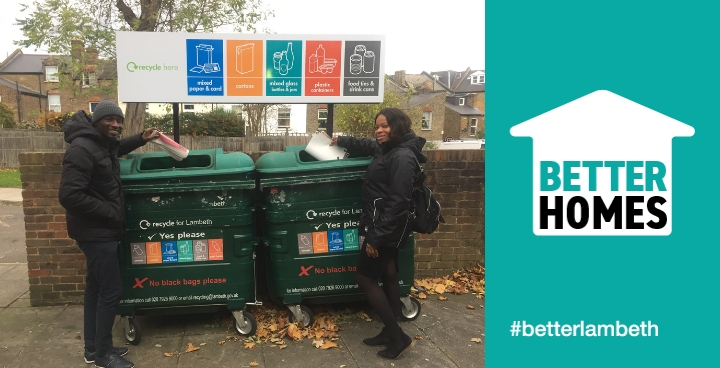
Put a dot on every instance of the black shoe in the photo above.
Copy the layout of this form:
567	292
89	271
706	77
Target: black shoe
90	357
397	346
381	339
113	361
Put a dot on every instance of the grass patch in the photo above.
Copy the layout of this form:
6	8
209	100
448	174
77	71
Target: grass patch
10	178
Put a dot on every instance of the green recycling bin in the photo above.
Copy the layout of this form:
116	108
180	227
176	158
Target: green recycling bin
190	240
310	218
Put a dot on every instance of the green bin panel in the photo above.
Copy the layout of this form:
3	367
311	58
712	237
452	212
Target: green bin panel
311	211
190	237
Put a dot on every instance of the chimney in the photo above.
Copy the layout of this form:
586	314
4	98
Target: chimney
77	49
400	78
92	55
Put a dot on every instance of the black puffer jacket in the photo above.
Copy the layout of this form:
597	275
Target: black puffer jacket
387	187
90	188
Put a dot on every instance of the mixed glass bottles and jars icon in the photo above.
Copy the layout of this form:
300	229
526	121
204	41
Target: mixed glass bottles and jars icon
283	60
362	61
317	62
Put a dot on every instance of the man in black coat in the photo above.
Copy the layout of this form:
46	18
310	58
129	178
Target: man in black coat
91	192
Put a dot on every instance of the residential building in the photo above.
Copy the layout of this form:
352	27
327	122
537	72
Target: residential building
465	101
57	83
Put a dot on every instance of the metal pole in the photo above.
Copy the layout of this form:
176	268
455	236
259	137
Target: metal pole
331	113
17	97
176	123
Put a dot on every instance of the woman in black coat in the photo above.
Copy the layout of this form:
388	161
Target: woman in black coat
386	218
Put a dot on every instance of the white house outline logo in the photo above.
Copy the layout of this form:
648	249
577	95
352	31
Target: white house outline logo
582	154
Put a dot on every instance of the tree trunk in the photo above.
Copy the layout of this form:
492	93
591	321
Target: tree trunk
134	119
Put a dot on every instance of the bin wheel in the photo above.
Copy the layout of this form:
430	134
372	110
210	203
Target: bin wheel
414	311
132	330
307	318
249	327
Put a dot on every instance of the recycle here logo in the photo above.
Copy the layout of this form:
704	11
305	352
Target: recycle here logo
602	165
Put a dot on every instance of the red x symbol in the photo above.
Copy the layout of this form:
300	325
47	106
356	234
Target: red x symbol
138	282
304	271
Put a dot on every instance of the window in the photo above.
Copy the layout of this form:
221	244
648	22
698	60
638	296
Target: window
51	74
189	109
93	106
427	120
322	119
54	103
477	79
461	101
283	117
88	79
473	126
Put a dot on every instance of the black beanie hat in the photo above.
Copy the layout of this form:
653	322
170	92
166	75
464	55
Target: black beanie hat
105	108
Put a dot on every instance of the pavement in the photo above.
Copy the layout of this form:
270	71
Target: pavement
52	336
11	197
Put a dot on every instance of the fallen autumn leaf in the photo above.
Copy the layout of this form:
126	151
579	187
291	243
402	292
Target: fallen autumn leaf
470	307
191	348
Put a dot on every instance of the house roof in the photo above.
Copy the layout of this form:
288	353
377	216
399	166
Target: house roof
456	82
464	109
464	85
19	63
23	90
417	99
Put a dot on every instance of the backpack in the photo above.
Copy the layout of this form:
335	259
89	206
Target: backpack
426	213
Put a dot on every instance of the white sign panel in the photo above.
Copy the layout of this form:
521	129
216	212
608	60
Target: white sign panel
249	68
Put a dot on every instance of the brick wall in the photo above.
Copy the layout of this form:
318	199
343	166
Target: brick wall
56	266
458	179
30	105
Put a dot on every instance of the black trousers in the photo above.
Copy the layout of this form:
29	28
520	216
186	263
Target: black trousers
103	290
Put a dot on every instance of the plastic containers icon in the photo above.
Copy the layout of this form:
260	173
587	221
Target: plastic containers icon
317	62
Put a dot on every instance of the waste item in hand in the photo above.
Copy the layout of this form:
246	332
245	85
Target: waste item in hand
174	149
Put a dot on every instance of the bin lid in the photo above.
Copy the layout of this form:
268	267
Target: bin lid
207	162
295	159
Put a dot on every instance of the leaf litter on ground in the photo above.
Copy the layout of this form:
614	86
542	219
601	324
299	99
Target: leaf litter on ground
274	326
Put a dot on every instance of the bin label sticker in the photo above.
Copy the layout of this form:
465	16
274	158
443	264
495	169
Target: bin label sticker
335	240
215	249
350	239
200	250
305	245
320	242
154	252
331	240
169	252
137	253
185	250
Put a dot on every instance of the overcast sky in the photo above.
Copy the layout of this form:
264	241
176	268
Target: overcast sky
418	38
